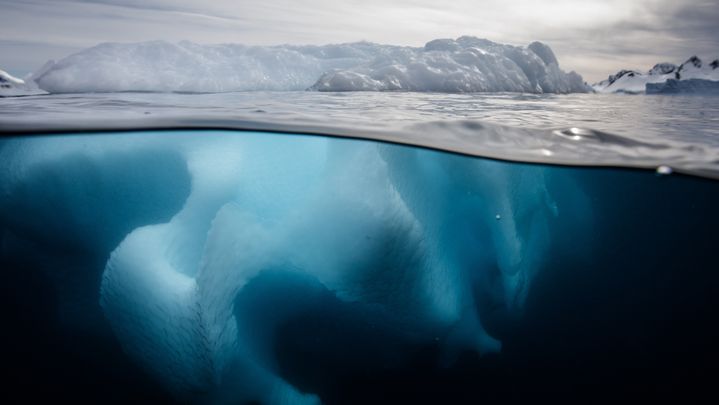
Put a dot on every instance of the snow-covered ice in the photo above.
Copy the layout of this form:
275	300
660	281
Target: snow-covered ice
160	66
632	81
467	64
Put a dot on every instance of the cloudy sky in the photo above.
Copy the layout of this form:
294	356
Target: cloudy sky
593	37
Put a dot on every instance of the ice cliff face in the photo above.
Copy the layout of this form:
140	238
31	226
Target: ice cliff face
12	86
467	64
630	81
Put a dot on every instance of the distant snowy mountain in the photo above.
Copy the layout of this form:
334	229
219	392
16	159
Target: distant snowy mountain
12	86
466	64
631	81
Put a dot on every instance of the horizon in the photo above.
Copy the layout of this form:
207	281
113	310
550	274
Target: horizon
594	38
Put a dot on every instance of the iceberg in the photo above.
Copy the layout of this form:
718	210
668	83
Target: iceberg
688	86
446	258
160	66
631	81
467	64
12	86
464	65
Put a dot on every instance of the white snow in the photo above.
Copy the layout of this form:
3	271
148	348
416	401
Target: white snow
160	66
467	64
631	81
12	86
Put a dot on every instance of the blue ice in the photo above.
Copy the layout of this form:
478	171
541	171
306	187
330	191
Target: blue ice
185	221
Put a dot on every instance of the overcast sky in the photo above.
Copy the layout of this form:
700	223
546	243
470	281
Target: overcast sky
593	37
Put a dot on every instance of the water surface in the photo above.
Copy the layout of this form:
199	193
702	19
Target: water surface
680	132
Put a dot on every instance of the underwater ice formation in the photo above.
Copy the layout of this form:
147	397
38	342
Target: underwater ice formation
467	64
428	238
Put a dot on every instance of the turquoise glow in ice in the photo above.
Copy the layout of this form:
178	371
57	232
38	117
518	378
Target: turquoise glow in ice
185	220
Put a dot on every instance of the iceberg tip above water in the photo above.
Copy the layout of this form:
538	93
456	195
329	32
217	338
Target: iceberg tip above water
467	64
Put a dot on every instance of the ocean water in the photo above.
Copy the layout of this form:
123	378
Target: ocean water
209	265
680	132
683	118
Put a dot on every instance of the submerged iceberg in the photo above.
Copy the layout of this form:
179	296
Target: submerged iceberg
12	86
656	80
467	64
438	260
214	266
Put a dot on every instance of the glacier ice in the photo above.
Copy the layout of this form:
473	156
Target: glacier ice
410	232
466	64
188	67
631	81
688	86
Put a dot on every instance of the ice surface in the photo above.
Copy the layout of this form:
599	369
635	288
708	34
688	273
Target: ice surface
188	67
421	242
688	86
12	86
467	64
464	65
630	81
